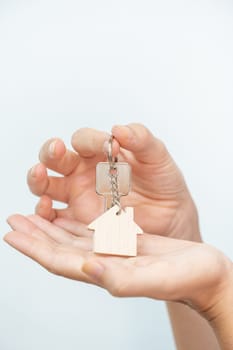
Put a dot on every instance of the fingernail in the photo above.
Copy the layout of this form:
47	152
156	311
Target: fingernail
52	147
93	269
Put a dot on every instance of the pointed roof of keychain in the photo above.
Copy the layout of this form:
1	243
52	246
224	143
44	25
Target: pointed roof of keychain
116	233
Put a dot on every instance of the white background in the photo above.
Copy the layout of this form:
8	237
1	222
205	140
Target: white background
68	64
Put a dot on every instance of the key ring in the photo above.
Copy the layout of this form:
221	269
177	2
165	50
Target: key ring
109	153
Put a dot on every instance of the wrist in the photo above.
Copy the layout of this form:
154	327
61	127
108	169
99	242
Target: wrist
220	313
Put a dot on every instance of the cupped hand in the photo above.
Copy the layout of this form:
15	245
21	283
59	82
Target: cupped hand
162	202
167	269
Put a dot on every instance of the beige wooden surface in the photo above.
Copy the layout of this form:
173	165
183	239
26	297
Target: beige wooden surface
116	234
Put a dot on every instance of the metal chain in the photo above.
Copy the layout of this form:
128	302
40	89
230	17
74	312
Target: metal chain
113	174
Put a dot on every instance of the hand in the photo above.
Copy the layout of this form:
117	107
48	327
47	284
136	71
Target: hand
174	270
159	192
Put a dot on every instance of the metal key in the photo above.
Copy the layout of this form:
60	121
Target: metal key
113	179
104	186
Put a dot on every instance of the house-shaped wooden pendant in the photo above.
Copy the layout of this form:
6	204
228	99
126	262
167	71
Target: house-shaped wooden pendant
115	234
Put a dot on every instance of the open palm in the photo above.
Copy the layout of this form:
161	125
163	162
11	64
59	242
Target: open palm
166	268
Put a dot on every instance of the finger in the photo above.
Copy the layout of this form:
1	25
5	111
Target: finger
141	142
90	143
22	224
147	244
55	258
118	277
62	236
56	233
76	228
44	208
55	156
37	179
40	183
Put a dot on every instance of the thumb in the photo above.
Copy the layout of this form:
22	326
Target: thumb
110	275
124	278
141	142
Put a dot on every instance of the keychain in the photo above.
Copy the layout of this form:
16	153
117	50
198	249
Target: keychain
115	231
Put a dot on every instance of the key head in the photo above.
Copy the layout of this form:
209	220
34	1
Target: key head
103	181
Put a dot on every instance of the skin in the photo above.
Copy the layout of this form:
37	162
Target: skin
158	192
174	270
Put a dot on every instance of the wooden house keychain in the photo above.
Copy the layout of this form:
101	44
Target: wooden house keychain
115	232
